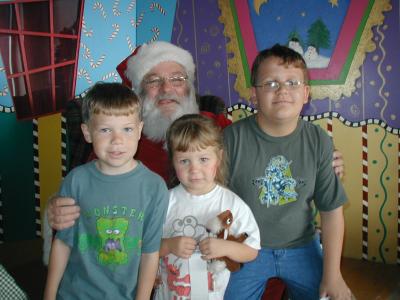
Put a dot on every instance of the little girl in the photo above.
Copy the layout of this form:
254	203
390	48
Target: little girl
196	151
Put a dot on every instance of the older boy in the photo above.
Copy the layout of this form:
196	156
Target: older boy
279	164
112	250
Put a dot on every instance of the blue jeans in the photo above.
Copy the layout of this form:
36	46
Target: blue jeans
300	268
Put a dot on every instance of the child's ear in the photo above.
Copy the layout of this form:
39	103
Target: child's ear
307	90
86	133
253	96
140	128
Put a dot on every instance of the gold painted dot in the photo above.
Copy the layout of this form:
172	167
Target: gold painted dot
386	94
372	82
375	57
377	104
393	117
385	27
389	68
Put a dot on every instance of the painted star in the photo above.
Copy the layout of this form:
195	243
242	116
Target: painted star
333	2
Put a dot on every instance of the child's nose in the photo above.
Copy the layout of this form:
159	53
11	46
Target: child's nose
116	138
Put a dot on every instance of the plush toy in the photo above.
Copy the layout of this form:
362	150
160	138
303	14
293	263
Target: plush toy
219	226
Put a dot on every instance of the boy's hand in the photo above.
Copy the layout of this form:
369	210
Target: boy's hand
62	212
335	289
338	163
212	248
182	246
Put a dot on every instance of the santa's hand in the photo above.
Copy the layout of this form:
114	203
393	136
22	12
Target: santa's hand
62	212
182	246
212	248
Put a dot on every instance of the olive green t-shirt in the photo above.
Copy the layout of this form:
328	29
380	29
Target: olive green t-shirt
279	177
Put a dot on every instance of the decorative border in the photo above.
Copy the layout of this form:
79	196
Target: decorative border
332	91
325	115
398	206
364	192
38	221
63	146
5	109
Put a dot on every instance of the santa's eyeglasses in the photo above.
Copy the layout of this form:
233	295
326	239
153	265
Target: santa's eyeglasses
157	82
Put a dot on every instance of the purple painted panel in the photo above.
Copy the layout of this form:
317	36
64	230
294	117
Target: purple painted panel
197	29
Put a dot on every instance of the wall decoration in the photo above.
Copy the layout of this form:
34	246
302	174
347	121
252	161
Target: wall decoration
332	36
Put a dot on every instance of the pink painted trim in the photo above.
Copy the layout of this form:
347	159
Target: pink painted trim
246	30
347	33
354	15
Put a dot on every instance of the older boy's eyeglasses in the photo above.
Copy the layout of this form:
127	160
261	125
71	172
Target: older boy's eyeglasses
157	82
274	85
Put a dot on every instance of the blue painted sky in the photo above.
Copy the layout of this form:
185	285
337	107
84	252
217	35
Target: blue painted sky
280	17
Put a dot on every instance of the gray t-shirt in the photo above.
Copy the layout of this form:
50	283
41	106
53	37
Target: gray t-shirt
121	218
278	177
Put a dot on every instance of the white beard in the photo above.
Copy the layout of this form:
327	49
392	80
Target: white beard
155	124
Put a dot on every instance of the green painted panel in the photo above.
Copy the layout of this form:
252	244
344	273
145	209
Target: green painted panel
17	178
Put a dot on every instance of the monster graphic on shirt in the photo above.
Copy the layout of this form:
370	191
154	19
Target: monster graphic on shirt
277	186
111	241
112	234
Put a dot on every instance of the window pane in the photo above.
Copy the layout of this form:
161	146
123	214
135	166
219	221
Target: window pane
64	80
7	17
41	92
11	53
65	49
35	16
66	23
37	51
20	97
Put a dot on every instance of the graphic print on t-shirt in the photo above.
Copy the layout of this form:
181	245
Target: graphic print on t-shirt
277	186
178	277
112	244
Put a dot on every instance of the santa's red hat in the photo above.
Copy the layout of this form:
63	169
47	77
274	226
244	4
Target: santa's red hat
133	68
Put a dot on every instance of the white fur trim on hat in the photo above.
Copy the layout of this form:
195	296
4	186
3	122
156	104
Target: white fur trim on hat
150	55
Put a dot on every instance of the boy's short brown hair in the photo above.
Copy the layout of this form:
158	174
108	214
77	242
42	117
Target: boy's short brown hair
193	132
287	56
110	98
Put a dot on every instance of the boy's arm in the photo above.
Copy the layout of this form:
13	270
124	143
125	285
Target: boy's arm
59	256
181	246
333	284
147	275
239	252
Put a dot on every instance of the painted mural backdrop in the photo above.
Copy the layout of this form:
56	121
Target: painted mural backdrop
364	124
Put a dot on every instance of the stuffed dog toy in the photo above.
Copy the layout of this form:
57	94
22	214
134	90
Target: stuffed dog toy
219	227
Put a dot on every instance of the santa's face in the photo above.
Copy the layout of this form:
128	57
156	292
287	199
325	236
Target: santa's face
166	85
167	94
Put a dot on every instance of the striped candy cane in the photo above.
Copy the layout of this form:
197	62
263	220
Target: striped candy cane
97	64
130	45
158	6
110	75
99	6
131	6
86	32
83	73
115	32
115	9
156	33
